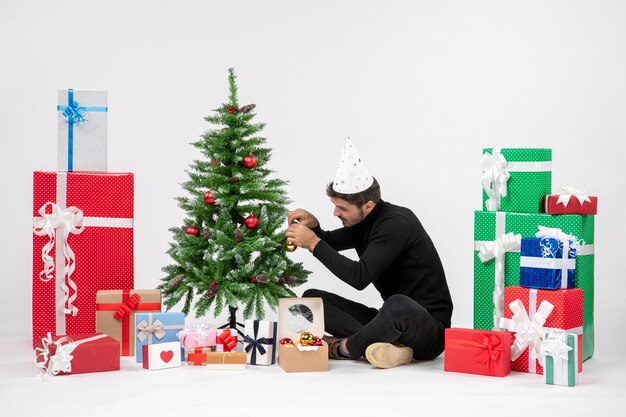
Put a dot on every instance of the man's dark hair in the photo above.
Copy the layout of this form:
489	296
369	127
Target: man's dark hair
358	199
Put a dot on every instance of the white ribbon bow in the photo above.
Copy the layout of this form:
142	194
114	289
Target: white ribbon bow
529	333
565	193
555	345
145	330
61	361
199	330
497	249
68	220
494	178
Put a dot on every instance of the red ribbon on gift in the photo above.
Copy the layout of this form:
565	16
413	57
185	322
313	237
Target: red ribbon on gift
490	349
196	356
227	339
122	312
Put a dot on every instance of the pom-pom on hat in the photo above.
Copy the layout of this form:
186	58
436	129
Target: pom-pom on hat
352	174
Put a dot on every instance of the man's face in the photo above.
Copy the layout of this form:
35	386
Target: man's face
348	213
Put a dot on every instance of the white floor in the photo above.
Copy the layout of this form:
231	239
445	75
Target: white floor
349	388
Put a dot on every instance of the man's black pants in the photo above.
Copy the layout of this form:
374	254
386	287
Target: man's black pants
401	319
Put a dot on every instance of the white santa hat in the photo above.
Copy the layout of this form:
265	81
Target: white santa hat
352	174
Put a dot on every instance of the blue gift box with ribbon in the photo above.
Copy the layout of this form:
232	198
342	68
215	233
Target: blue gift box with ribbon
82	130
260	341
547	263
153	328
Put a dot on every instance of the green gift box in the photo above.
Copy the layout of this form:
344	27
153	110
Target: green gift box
516	180
490	225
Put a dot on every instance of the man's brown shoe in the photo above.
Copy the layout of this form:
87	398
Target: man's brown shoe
333	347
388	355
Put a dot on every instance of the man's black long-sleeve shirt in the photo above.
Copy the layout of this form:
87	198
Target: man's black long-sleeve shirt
395	254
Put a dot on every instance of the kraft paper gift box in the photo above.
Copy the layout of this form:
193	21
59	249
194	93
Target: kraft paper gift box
295	316
82	130
223	361
570	200
516	180
260	341
547	264
480	352
200	335
154	328
77	354
491	225
82	243
527	315
161	356
197	356
115	314
560	352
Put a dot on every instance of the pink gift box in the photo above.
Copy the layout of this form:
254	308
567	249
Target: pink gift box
197	336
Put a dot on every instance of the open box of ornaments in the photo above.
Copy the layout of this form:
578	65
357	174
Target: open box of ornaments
300	329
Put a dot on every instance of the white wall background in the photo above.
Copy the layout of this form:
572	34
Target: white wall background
421	87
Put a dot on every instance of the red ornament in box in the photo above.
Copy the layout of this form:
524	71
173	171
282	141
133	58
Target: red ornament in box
77	354
570	200
481	352
82	243
249	161
566	315
252	222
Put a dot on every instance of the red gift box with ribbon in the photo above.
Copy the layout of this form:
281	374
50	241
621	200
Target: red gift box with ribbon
82	243
115	314
530	313
480	352
77	354
570	200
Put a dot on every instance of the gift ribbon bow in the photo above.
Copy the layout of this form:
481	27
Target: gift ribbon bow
199	330
227	339
61	361
125	307
566	193
73	112
66	221
529	331
566	241
145	330
556	346
497	249
494	178
256	344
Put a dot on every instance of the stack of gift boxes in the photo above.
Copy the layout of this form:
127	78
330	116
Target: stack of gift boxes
85	312
533	273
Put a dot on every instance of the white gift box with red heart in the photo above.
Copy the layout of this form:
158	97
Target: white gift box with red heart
161	356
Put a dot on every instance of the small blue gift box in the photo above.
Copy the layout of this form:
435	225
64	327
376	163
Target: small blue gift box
153	328
547	263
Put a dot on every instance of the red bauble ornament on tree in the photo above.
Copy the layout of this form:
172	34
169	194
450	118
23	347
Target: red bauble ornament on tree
235	179
193	230
213	283
252	222
280	281
249	161
253	280
230	110
208	198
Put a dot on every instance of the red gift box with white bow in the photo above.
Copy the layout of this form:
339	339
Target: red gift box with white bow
531	313
82	243
570	200
77	354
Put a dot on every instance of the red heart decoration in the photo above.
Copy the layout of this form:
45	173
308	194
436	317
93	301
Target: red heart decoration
167	356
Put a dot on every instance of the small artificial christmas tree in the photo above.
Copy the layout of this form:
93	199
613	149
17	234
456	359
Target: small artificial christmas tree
230	251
